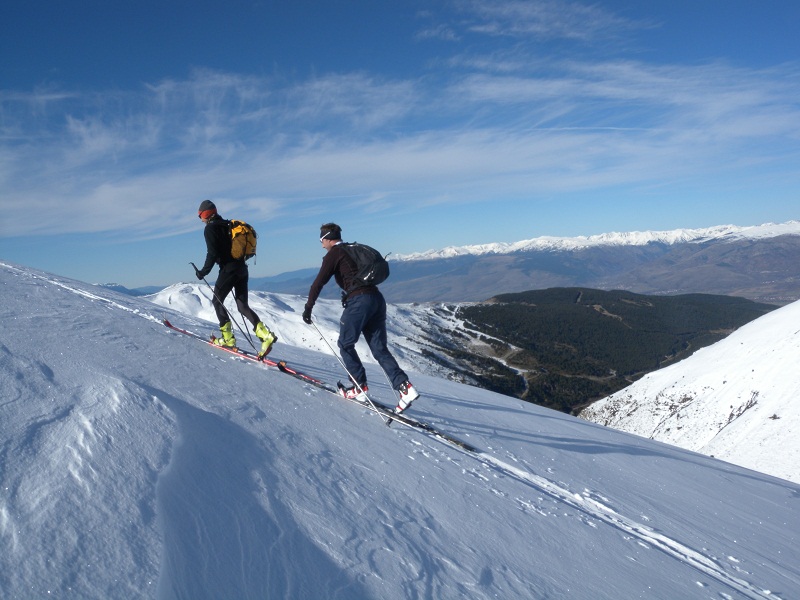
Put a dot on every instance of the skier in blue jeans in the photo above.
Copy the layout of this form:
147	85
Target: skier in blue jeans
364	312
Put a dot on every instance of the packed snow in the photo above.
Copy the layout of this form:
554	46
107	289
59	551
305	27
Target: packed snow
737	400
631	238
138	463
410	326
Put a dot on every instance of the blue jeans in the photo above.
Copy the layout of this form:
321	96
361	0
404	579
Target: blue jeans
366	313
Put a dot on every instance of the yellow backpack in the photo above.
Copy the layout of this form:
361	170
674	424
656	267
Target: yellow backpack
243	240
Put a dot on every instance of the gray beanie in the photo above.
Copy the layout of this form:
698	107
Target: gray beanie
206	205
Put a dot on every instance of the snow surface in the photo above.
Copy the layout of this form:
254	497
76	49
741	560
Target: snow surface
632	238
737	400
138	463
410	326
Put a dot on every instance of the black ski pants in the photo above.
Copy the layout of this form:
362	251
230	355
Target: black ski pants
233	276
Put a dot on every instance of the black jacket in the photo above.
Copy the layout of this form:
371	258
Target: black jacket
218	244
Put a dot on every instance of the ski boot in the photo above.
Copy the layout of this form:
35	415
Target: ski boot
354	392
228	340
267	339
407	395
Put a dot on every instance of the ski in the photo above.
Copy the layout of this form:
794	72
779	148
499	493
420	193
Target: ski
281	365
378	407
388	412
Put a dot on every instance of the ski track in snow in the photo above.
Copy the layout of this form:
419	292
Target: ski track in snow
83	293
594	507
591	505
588	503
197	432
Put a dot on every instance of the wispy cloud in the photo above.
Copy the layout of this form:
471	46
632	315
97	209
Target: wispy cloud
499	123
544	20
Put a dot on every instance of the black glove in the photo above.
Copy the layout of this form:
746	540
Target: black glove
307	315
200	274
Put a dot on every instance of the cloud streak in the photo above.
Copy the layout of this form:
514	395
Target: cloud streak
545	20
490	127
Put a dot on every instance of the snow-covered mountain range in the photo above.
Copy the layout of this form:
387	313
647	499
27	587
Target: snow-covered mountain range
761	263
138	463
632	238
738	400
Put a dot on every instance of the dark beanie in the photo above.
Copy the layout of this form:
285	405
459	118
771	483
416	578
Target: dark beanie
207	209
206	205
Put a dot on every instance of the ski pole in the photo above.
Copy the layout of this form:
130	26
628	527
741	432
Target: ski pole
391	387
239	327
353	379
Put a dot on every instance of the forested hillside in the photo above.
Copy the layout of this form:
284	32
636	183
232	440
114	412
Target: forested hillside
565	347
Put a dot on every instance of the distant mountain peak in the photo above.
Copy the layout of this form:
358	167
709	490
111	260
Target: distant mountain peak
631	238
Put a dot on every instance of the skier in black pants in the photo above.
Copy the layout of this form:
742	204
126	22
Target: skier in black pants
364	312
233	275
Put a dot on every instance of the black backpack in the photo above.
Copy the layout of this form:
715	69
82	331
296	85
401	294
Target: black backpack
371	266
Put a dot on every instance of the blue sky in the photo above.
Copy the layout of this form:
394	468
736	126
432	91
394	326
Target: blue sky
414	125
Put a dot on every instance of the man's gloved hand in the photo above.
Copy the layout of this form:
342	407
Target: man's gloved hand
307	315
199	272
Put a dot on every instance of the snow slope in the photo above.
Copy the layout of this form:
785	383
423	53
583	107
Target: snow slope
738	400
409	324
137	463
722	403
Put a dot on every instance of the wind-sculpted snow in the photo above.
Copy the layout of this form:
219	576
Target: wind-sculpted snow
138	463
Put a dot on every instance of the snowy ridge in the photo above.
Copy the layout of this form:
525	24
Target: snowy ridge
757	367
137	463
753	366
634	238
735	400
407	324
